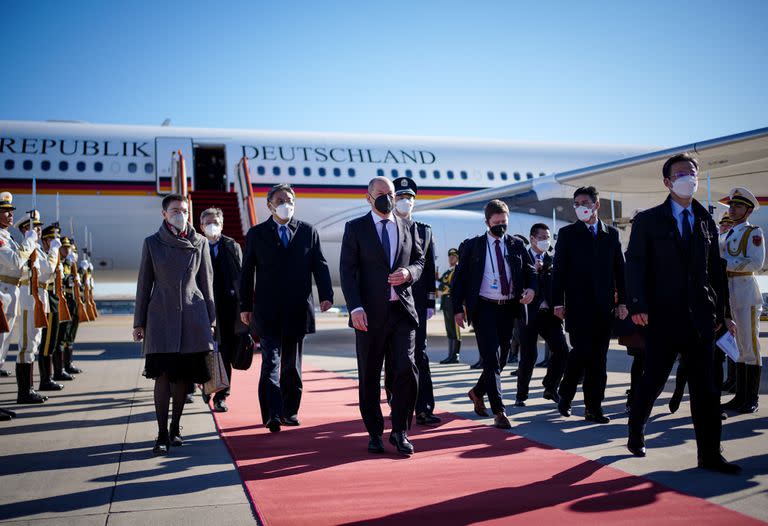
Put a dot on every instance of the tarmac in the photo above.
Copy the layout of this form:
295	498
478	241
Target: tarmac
84	457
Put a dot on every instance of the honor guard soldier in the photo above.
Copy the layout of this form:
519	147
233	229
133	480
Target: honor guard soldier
71	276
451	328
46	359
13	257
33	303
745	254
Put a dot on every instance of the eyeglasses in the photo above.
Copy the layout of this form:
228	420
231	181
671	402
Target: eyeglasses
684	174
178	210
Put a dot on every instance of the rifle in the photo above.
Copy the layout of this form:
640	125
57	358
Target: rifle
89	303
82	313
3	320
64	314
34	290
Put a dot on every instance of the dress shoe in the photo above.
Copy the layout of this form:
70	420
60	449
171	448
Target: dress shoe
4	417
399	439
477	365
480	409
500	421
564	408
162	445
175	436
292	421
426	419
63	376
636	445
513	373
4	373
450	359
519	403
220	406
273	425
749	407
596	416
30	397
376	444
543	363
720	465
8	412
552	395
50	385
723	415
189	399
206	398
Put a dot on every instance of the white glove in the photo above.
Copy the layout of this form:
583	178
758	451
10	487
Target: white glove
55	244
90	266
30	234
430	313
83	265
70	258
36	264
74	255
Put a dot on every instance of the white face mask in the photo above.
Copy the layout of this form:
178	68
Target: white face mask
543	246
212	230
404	206
584	213
284	211
178	220
685	186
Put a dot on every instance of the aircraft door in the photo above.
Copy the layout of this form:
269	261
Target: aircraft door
165	148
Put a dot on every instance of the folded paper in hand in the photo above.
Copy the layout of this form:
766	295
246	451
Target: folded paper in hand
728	345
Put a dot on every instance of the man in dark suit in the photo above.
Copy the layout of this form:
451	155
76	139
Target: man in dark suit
542	322
381	257
588	272
495	275
227	262
677	290
285	254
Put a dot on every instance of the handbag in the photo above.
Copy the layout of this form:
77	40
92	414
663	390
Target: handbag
218	374
243	355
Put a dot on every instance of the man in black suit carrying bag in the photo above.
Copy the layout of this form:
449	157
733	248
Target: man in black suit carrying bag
495	275
588	273
285	254
677	290
381	256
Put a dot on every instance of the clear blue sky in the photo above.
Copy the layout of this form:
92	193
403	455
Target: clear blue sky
652	73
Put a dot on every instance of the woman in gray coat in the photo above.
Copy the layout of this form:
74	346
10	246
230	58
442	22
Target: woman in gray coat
175	314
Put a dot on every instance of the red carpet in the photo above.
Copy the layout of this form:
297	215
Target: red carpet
463	472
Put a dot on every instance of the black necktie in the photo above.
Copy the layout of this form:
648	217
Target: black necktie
687	232
385	240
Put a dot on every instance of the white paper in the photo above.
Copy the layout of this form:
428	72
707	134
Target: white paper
729	346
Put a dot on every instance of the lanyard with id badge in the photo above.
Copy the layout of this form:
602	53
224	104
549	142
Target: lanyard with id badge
495	282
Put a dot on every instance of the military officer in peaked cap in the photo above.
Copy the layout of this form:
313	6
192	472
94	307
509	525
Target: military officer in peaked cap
451	328
744	253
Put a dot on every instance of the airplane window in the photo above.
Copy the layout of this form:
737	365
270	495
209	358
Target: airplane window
394	174
260	170
380	172
307	171
409	174
276	170
517	176
503	176
27	165
450	174
351	172
81	166
337	172
490	176
98	166
148	168
423	174
291	170
529	175
131	168
321	171
464	174
45	165
9	164
436	174
63	166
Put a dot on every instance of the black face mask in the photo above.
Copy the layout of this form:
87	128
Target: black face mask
499	230
384	203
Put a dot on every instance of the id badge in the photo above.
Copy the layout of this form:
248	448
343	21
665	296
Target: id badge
495	284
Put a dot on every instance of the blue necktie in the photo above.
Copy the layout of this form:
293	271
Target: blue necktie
385	239
284	235
687	232
593	229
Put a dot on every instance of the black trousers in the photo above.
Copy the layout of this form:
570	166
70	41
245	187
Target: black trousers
589	352
698	355
395	342
550	328
493	331
425	400
280	384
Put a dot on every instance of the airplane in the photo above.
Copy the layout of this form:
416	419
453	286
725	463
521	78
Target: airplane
110	179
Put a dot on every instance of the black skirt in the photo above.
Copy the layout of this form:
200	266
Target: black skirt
184	367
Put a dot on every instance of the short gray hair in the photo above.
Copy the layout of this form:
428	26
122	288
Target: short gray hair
212	212
282	187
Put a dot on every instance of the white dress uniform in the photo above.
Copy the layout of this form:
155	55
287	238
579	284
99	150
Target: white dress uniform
12	259
29	335
744	253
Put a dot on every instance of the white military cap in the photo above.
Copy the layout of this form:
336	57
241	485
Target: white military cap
744	196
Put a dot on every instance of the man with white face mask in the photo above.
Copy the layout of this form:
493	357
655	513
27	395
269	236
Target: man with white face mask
677	290
282	255
227	262
424	297
588	272
542	322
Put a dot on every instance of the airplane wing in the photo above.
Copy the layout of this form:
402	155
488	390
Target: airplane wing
725	162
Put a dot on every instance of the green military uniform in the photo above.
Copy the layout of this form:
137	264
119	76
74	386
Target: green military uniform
47	350
67	335
451	327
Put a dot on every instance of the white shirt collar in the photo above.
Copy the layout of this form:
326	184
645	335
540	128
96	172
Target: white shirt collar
378	219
